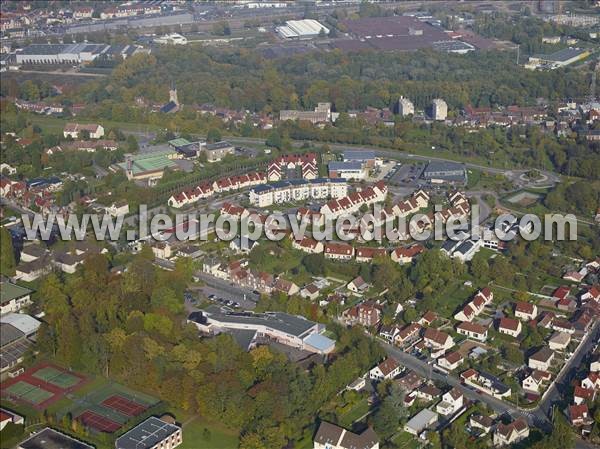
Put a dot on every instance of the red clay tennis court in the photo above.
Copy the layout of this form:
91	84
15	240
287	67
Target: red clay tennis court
95	421
124	405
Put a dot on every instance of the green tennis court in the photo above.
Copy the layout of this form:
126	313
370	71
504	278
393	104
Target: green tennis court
56	377
30	393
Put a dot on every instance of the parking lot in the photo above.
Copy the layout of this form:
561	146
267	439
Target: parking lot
221	297
407	174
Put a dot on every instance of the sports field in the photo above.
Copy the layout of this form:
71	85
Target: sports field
42	385
110	406
56	377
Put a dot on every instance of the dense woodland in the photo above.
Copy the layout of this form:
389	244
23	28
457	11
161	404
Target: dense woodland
132	327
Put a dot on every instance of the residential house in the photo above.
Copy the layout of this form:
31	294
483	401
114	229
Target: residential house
308	245
406	254
30	271
451	403
310	291
481	422
410	381
579	415
472	330
583	395
331	436
33	251
386	370
451	361
358	285
408	334
542	359
591	381
510	326
428	392
437	340
73	130
533	382
427	318
525	310
559	341
512	433
475	306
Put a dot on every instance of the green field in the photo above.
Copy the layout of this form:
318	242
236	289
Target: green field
202	434
55	125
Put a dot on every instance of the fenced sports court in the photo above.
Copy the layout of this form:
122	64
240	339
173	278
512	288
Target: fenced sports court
41	385
24	391
98	422
124	405
56	377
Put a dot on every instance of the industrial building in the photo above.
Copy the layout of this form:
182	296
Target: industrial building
291	330
148	167
301	29
72	53
557	59
346	170
438	172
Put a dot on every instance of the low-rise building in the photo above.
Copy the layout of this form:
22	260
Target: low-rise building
452	402
481	422
473	330
512	433
150	434
388	369
53	439
533	382
331	436
339	251
421	421
13	297
510	326
451	361
559	341
75	130
437	340
525	310
542	359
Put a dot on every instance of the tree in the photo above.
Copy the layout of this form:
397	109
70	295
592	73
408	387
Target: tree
132	144
314	264
274	139
7	253
213	135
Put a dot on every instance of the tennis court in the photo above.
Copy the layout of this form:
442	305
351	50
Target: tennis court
124	406
56	377
98	422
27	392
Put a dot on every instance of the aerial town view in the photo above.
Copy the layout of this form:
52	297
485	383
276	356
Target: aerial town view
311	224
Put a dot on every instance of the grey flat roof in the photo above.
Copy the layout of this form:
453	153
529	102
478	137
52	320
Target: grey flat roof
563	55
9	291
9	333
243	337
283	322
421	420
218	145
146	434
344	165
441	166
51	439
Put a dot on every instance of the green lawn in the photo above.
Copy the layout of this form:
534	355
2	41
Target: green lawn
202	434
404	440
356	412
55	124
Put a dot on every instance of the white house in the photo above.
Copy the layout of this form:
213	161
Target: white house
357	285
73	130
452	402
451	361
514	432
473	330
535	380
559	341
437	340
388	369
510	326
339	251
542	359
118	209
525	310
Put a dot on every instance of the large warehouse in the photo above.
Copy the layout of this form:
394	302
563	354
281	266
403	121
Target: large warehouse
71	53
301	29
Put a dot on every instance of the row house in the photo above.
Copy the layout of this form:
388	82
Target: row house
305	163
308	245
367	254
352	203
208	189
234	211
338	251
476	305
309	216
